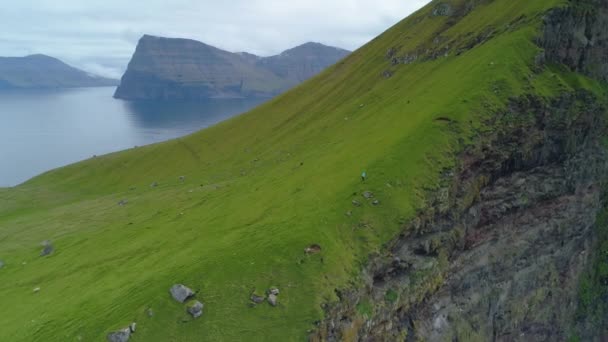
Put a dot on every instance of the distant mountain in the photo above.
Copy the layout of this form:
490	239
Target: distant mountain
41	71
171	68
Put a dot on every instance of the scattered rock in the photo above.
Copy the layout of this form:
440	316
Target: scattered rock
182	178
154	185
36	290
312	249
274	291
48	248
356	203
368	194
376	202
122	203
257	299
196	309
272	299
181	293
132	327
121	335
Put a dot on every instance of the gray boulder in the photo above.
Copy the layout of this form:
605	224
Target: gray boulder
272	299
48	248
376	202
196	309
1	263
121	335
368	194
181	293
274	291
356	203
132	327
257	299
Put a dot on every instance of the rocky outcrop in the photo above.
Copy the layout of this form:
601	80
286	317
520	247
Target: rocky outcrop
577	37
40	71
183	69
499	251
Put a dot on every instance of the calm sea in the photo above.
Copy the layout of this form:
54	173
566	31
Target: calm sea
44	129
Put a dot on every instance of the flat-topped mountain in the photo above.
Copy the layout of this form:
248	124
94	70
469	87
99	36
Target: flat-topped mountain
173	68
41	71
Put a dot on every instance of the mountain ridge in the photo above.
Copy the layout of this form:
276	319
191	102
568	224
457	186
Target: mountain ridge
43	71
178	68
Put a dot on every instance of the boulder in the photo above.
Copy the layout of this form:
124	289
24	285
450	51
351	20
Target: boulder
376	202
182	178
196	309
368	194
274	291
121	335
257	299
1	264
36	290
132	327
181	293
312	249
272	299
154	185
150	312
356	203
48	248
122	203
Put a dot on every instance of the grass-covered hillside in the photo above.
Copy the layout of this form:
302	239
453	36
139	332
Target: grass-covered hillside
260	188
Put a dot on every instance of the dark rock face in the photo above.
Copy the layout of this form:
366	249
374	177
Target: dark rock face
499	253
577	37
40	71
182	69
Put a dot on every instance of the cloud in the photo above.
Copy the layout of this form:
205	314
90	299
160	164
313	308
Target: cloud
100	35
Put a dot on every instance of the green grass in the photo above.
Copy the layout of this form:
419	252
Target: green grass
259	189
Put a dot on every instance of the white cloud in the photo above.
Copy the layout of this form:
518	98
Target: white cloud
100	35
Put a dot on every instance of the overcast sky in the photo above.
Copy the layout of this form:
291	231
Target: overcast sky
100	35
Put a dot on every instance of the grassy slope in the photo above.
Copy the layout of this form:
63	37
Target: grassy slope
248	206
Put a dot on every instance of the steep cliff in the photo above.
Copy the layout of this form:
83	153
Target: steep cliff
165	68
513	245
40	71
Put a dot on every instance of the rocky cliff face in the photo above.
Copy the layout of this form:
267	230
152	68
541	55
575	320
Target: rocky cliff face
40	71
501	251
577	37
164	69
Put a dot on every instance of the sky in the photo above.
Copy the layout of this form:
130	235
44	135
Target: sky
100	36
